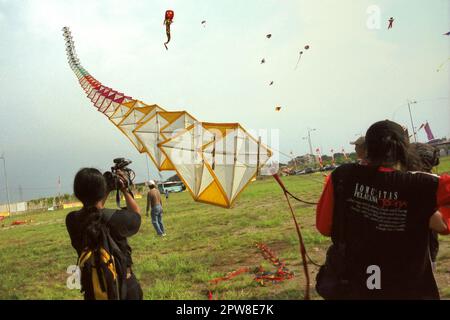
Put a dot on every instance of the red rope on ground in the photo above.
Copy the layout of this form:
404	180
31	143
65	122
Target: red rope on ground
230	275
282	273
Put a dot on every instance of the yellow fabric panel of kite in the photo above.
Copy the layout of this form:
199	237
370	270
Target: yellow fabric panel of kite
212	194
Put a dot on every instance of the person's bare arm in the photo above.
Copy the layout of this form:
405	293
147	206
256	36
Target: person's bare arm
437	223
131	203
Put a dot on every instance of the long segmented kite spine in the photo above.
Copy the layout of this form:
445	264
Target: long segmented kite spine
118	106
93	84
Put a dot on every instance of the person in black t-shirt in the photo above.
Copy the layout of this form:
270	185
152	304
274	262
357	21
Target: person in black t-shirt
83	225
379	217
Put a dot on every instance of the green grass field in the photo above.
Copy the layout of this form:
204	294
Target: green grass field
203	242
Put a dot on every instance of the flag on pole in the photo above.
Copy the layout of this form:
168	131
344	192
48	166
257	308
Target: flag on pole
427	128
319	157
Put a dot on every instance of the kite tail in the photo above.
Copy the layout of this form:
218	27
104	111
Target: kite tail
298	61
168	40
168	36
300	238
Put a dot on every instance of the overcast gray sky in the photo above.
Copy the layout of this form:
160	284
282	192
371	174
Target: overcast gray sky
350	77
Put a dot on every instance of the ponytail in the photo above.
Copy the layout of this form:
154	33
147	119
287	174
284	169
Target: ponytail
92	227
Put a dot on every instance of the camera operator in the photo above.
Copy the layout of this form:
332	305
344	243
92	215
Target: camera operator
84	226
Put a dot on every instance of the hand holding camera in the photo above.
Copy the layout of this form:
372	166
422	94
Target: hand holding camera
120	178
122	183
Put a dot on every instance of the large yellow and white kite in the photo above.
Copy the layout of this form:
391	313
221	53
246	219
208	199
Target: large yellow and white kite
216	161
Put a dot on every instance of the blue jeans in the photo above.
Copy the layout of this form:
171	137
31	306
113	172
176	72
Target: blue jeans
157	222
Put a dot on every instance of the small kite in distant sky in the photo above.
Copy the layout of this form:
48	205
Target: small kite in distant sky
447	34
168	20
442	65
300	55
277	108
269	36
263	61
391	22
271	83
204	23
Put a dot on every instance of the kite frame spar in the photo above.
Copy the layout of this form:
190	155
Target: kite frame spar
201	152
137	133
148	111
226	201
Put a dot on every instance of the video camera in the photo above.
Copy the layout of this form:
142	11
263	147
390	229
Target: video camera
113	179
